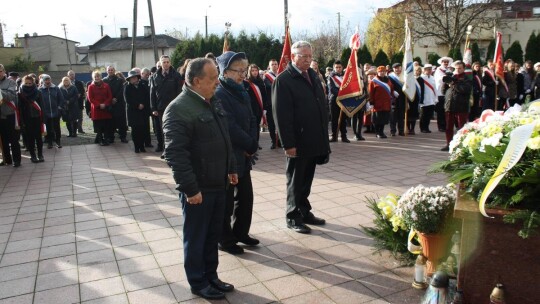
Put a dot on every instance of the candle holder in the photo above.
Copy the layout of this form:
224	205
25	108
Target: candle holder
419	281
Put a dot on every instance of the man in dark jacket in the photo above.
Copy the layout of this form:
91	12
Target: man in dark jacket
165	85
53	105
81	88
199	152
301	116
397	114
119	121
456	105
334	84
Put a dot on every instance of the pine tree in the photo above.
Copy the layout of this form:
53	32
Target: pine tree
475	50
381	59
433	58
515	52
397	58
418	59
455	54
532	52
345	55
490	53
364	56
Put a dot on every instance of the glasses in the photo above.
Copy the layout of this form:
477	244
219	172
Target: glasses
302	56
242	72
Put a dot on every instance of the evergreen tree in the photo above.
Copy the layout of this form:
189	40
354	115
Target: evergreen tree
381	59
433	58
418	59
397	58
475	52
455	54
345	55
532	52
490	53
515	52
364	56
330	63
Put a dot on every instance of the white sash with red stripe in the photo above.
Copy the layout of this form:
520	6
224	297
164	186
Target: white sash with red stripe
337	80
430	87
490	74
258	95
12	105
271	77
478	81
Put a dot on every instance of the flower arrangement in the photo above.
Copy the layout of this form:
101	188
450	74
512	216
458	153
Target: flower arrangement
476	152
389	231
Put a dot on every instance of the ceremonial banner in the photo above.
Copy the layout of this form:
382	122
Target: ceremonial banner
350	96
499	61
286	54
407	76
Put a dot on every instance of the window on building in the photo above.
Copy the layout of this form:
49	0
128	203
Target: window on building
536	11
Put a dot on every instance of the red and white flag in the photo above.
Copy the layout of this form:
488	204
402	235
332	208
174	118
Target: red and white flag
499	61
286	54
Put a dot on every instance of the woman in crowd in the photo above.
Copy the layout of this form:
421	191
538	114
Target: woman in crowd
53	105
243	129
182	71
137	97
100	98
381	93
414	107
257	92
72	111
30	105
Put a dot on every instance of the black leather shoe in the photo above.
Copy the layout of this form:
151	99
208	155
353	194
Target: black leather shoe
298	227
345	140
401	133
358	138
142	150
149	145
382	135
232	249
333	139
41	158
221	286
313	220
445	148
16	165
34	159
209	292
273	146
249	241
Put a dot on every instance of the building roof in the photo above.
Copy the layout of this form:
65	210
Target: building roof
28	36
107	43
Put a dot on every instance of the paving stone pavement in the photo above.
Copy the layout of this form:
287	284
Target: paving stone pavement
103	225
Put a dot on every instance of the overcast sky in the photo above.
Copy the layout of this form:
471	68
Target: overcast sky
83	18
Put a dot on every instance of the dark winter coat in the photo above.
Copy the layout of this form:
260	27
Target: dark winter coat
164	89
242	125
26	108
457	96
301	112
135	95
117	90
53	101
197	144
71	99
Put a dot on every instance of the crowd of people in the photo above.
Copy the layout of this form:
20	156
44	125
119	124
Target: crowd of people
207	117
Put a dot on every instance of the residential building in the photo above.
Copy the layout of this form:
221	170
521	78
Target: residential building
49	51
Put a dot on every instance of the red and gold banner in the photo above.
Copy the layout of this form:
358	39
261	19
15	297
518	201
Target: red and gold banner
286	54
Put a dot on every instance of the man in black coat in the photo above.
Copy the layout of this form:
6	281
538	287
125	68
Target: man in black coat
165	85
301	116
118	104
397	115
334	84
199	152
81	88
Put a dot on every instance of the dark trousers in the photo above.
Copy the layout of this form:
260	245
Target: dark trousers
454	118
476	109
300	172
118	125
202	230
426	114
33	136
138	135
397	120
379	120
238	211
147	137
71	125
158	129
11	149
80	122
53	130
335	111
103	130
441	116
358	123
488	101
271	127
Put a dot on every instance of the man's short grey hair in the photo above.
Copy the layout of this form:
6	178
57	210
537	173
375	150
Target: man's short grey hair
300	45
145	70
195	68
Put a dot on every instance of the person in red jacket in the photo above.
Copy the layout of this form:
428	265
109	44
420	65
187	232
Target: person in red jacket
100	97
381	93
